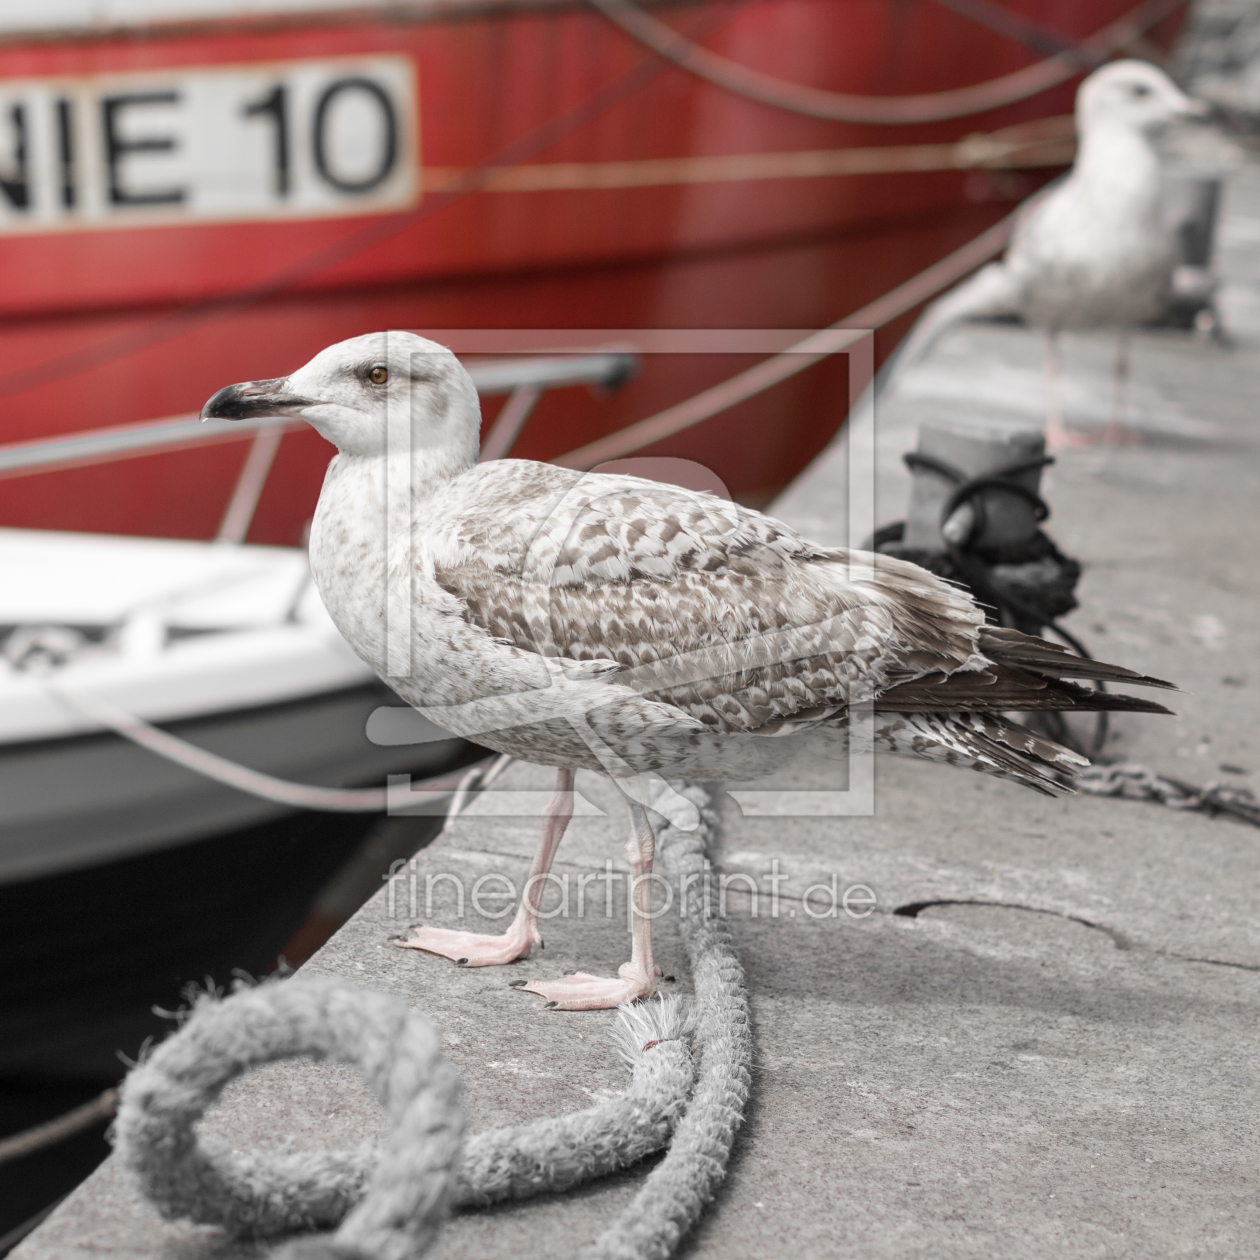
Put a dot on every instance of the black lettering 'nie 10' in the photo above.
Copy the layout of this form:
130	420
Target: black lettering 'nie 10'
65	153
117	147
14	182
15	179
389	145
275	105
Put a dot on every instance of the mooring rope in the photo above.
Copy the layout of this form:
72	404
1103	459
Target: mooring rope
456	783
389	1202
684	1182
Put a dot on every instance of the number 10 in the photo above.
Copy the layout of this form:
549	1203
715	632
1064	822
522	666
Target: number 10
275	105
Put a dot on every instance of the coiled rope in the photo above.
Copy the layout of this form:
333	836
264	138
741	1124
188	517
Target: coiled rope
690	1077
682	1184
883	110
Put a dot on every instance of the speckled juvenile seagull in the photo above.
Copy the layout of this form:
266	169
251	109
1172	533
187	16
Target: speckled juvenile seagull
609	623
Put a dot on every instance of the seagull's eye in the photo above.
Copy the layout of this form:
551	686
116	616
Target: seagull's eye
1139	89
378	375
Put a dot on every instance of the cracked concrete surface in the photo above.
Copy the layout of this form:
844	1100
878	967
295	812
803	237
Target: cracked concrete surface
1039	1041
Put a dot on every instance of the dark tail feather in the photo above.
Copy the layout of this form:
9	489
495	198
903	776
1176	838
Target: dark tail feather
1025	651
1086	700
962	693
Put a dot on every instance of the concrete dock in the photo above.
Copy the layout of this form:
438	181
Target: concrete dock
1041	1039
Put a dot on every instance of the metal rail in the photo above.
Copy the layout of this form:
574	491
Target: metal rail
606	368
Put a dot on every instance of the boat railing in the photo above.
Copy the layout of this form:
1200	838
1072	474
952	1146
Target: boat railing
524	380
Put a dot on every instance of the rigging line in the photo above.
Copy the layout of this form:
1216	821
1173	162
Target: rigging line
881	110
57	1130
173	323
1014	26
244	778
817	346
1010	148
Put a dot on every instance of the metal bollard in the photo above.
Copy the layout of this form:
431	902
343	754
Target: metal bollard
975	449
1192	202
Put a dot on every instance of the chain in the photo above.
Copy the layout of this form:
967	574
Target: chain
1140	783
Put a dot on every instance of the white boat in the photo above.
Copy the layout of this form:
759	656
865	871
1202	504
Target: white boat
229	648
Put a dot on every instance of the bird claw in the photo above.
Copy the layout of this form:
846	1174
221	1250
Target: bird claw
468	949
584	992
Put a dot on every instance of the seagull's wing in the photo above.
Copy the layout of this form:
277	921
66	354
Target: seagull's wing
722	613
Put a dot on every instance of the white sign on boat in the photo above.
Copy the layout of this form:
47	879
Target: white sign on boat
280	140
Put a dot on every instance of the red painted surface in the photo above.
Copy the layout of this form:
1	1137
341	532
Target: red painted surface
114	326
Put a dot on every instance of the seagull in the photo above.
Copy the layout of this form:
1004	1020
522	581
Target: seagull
1094	251
604	622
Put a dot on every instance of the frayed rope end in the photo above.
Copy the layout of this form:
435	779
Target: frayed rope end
641	1025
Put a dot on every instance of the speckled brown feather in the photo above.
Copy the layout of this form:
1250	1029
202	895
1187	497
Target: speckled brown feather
661	580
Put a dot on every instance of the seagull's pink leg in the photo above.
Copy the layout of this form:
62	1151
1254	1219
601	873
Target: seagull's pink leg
470	949
1057	433
1116	433
635	979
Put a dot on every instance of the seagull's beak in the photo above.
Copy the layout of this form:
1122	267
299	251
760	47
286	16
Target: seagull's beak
1188	107
255	398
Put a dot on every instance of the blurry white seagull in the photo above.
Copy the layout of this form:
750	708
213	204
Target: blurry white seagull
610	623
1093	251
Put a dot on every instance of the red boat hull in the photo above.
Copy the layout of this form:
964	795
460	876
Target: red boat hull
106	325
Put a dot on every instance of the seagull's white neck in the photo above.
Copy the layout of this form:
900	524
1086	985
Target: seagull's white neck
431	467
418	473
1117	170
374	499
364	537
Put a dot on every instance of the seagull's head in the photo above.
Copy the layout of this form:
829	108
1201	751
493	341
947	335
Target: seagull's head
354	392
1135	95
